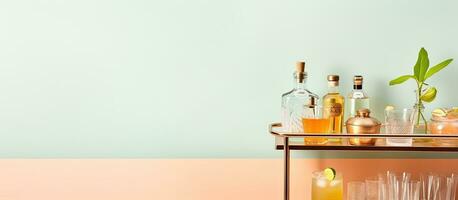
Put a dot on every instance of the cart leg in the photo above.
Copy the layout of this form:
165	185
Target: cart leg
286	168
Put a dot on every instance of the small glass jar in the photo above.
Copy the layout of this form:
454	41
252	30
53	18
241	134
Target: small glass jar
444	125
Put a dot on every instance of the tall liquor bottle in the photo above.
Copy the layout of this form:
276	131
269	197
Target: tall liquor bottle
294	101
358	97
333	104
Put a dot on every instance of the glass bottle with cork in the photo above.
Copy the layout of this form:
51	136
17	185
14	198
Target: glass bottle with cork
294	101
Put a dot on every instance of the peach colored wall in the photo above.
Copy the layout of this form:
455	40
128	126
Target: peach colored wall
200	179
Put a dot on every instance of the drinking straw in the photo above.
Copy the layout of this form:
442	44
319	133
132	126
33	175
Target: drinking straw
404	185
423	187
454	183
436	188
449	188
430	184
416	195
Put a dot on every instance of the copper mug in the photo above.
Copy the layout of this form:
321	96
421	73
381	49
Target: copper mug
362	123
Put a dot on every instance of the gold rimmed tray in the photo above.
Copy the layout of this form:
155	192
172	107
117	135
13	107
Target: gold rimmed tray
421	142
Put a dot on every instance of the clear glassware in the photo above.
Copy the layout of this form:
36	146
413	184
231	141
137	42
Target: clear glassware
398	187
399	122
420	125
435	187
324	189
393	186
356	190
314	122
358	98
295	100
375	189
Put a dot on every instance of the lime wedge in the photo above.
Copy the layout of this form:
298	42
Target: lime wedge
429	95
439	112
329	173
453	113
455	110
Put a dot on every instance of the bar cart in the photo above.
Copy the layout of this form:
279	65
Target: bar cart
286	142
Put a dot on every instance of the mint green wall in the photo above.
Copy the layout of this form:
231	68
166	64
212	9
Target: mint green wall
197	78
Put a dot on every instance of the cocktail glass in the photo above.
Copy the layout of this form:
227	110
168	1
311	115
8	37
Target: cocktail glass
324	189
313	122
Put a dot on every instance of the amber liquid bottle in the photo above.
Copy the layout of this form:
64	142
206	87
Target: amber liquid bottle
333	106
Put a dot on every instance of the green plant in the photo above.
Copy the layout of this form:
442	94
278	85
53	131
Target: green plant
421	73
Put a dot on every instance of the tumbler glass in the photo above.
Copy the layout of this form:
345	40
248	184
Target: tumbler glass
375	189
325	189
399	122
356	191
314	122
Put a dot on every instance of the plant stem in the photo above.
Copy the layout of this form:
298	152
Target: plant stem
419	108
426	123
419	103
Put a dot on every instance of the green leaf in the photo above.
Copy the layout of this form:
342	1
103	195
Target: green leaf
401	79
429	95
416	68
424	65
437	68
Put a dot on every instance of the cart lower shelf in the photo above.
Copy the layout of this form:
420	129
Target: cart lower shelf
296	141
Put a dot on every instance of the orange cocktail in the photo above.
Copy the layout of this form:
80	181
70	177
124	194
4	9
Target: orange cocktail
325	189
316	125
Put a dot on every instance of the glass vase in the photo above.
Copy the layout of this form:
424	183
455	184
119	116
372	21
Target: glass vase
420	125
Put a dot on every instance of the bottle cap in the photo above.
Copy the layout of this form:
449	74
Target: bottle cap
333	78
357	80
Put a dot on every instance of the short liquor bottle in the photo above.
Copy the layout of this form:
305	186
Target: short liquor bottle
294	101
358	98
333	105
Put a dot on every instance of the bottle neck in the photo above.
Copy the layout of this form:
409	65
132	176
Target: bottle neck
300	84
357	87
300	79
334	89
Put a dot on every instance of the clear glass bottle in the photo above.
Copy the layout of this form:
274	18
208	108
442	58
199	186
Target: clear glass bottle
420	125
294	101
333	104
358	98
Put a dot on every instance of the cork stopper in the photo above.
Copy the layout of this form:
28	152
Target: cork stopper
300	74
300	67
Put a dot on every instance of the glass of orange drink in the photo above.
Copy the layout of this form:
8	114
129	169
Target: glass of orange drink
314	123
